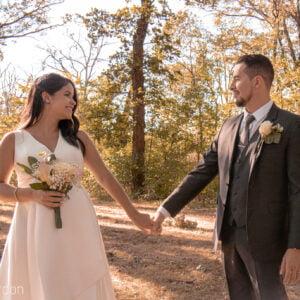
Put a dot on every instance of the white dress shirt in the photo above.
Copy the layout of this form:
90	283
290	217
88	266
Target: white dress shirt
259	115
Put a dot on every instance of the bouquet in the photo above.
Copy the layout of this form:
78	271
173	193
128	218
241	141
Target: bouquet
53	175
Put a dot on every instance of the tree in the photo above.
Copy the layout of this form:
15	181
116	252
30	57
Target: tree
145	46
80	61
281	19
23	18
138	92
8	83
12	98
271	28
184	123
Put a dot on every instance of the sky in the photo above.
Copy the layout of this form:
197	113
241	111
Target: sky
24	54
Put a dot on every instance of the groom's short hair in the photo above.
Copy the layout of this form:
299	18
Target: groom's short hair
258	64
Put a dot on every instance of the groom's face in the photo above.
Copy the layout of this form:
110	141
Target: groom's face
241	85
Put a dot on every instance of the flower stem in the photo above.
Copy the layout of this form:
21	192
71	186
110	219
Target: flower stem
58	221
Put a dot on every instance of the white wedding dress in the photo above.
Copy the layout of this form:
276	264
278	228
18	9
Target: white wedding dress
41	262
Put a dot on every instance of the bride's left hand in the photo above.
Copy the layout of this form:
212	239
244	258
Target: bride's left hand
142	221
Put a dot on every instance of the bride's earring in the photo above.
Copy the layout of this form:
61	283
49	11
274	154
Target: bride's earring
47	101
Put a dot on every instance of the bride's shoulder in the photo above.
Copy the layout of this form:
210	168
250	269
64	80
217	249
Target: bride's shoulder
83	136
12	136
8	136
8	139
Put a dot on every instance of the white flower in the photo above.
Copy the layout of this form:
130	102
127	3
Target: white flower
270	133
43	172
67	172
278	128
265	128
59	176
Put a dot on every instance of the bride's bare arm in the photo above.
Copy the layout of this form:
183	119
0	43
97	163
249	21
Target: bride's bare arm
12	194
105	178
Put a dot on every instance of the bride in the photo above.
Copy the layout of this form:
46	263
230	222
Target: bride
45	261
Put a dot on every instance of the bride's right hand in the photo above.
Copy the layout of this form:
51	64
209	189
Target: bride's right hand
47	198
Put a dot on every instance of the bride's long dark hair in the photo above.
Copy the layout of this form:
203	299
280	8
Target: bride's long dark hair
51	83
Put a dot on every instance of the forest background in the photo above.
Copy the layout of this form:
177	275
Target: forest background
153	78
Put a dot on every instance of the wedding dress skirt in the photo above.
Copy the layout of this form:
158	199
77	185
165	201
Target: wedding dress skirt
41	262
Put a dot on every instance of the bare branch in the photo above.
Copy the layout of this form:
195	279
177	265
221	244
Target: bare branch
28	33
290	44
38	11
242	15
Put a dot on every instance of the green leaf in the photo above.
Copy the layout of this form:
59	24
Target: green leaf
39	186
32	160
25	169
277	136
269	139
68	188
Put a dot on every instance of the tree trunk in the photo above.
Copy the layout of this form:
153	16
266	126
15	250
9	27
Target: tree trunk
290	44
138	92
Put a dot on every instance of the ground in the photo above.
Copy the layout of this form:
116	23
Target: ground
180	264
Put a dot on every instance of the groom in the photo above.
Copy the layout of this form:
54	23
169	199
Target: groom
258	163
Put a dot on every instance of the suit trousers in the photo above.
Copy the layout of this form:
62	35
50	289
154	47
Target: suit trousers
247	278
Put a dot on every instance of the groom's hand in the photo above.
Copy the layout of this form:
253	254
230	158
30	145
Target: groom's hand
290	266
157	222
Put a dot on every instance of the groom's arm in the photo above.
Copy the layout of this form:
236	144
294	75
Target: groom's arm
290	267
293	171
194	182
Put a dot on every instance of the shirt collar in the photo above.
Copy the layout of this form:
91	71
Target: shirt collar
260	113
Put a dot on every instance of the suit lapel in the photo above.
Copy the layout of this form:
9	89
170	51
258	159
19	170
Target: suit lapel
258	144
232	138
233	132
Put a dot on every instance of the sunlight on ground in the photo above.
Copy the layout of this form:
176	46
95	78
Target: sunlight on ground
178	265
5	219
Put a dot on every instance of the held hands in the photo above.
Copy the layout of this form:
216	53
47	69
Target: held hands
147	224
157	223
290	266
142	221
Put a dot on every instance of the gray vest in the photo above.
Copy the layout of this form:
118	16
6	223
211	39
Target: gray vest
236	205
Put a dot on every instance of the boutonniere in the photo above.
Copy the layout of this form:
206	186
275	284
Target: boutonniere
270	133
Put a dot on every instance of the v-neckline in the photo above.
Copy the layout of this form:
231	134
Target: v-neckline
57	142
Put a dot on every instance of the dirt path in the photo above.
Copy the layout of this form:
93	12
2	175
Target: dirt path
180	264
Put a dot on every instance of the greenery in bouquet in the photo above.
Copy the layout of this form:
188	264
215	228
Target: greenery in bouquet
52	175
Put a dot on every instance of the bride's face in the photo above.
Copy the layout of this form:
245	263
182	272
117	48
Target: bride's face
62	103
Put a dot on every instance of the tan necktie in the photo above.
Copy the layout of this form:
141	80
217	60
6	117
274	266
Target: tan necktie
244	138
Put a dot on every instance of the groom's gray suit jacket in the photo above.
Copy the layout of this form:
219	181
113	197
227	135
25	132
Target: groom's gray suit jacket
272	204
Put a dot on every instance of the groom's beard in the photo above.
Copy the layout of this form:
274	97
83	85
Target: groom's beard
242	101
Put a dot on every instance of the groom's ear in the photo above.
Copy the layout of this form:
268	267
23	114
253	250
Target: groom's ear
258	81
